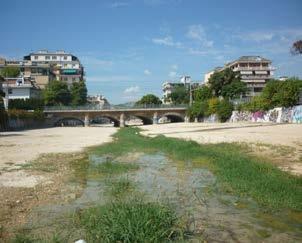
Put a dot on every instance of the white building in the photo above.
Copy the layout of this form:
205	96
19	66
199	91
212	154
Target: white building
19	88
255	71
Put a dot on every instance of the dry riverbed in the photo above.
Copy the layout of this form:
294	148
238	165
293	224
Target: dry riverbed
35	165
280	143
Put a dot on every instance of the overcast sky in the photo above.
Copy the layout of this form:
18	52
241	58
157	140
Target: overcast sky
129	47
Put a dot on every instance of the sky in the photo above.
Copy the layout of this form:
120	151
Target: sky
130	47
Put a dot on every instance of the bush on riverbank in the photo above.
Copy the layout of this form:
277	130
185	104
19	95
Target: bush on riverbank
26	104
22	114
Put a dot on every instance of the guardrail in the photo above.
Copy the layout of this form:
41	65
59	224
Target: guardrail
111	107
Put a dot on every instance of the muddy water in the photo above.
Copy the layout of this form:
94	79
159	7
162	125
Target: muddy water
208	212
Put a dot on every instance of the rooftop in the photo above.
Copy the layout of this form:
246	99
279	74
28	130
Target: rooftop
252	59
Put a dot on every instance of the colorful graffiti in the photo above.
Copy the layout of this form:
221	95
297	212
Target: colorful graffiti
277	115
297	114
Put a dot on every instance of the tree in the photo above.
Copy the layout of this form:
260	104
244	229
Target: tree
203	93
180	95
10	72
149	99
224	110
78	92
297	48
212	106
234	89
288	93
227	84
199	109
57	93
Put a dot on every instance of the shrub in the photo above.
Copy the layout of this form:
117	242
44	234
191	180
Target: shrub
212	106
26	104
224	110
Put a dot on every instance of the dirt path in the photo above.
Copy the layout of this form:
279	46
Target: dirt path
281	142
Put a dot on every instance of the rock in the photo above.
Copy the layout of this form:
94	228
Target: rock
80	241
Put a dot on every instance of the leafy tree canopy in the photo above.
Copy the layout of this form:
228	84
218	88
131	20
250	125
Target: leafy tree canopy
57	93
203	93
227	84
78	92
297	48
10	72
180	95
149	99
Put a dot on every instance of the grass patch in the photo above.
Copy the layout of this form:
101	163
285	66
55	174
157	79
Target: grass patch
120	188
133	221
237	171
109	167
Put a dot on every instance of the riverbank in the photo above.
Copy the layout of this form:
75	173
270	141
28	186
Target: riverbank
215	192
281	144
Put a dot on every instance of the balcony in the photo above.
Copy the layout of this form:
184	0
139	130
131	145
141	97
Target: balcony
251	77
269	68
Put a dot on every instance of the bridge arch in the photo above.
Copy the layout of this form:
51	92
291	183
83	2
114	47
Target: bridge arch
146	120
69	122
111	118
174	117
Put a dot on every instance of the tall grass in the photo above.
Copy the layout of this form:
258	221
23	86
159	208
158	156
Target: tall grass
132	221
241	173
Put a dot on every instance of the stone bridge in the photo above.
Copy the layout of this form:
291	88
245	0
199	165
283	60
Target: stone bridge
148	115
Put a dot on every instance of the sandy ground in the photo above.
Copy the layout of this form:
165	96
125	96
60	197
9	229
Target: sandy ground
21	147
276	138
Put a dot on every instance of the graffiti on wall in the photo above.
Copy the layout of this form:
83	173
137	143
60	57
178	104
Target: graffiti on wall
276	115
297	114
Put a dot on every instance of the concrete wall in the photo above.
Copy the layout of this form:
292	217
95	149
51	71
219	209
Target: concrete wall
278	115
21	124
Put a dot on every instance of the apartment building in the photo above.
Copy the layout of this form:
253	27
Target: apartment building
64	66
255	71
43	66
38	73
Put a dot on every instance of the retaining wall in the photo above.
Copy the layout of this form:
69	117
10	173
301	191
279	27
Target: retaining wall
278	115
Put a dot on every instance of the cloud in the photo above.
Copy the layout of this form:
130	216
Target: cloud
285	34
167	41
197	32
147	72
172	74
174	66
256	36
132	90
118	4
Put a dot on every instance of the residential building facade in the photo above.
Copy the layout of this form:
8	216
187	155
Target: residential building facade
43	66
64	66
20	88
255	71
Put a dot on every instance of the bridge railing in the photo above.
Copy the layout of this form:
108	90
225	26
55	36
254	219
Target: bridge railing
111	107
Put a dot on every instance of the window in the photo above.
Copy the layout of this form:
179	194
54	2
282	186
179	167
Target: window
65	57
54	57
73	79
10	91
47	57
36	57
65	79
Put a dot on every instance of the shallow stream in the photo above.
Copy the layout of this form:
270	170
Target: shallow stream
209	212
